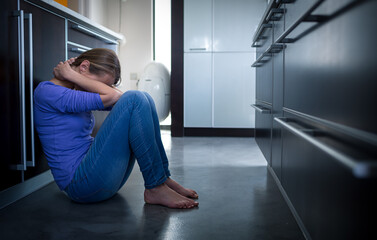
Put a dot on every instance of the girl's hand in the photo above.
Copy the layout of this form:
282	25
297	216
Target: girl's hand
71	60
62	71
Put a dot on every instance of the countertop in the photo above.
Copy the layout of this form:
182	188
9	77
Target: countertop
76	17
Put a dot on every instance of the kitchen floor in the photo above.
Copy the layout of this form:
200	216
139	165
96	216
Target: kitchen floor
238	199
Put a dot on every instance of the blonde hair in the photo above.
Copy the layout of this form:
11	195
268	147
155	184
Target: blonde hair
101	60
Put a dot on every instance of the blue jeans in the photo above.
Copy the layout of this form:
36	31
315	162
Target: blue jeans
130	131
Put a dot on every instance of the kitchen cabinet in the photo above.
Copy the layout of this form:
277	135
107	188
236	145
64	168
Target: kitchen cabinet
48	49
233	23
231	93
277	94
263	123
198	26
10	100
323	134
33	40
198	90
219	28
36	31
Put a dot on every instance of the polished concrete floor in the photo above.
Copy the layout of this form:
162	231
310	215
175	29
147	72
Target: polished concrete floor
238	199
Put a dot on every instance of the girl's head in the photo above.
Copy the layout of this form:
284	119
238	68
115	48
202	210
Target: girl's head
99	62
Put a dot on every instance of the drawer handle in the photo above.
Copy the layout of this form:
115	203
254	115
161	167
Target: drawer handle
260	109
94	34
360	169
273	48
198	49
309	17
31	163
306	17
21	81
275	11
78	50
258	35
272	9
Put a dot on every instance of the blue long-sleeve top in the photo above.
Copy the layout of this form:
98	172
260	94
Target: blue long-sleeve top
64	122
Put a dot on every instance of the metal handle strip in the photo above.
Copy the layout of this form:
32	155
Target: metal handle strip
31	163
273	12
261	110
198	49
303	18
259	33
78	50
273	48
21	82
94	34
360	169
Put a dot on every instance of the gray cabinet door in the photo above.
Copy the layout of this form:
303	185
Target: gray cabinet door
48	35
334	69
331	202
9	95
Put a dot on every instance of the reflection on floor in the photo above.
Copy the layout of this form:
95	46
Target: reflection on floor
238	200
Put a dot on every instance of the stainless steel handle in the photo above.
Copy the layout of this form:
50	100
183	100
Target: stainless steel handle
78	50
31	163
198	49
273	12
261	110
306	17
258	35
273	48
21	83
359	168
94	34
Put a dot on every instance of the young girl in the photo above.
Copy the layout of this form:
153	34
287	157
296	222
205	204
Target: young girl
92	170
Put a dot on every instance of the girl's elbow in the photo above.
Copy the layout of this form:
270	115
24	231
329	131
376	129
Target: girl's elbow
110	99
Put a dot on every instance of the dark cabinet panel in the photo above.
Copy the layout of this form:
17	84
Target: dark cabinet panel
264	82
323	84
265	40
279	22
87	37
331	202
10	93
48	37
333	68
277	106
263	122
296	9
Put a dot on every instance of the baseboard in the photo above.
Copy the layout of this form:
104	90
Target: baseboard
290	205
21	190
219	132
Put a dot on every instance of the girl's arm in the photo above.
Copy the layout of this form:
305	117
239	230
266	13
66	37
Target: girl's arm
109	95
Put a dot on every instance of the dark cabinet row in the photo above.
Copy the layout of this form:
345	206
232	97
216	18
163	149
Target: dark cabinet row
315	81
33	40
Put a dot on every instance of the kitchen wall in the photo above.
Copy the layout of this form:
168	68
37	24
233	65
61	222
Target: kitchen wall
132	18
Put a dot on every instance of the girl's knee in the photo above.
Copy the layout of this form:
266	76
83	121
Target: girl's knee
135	95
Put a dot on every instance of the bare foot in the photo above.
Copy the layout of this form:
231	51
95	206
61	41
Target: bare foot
165	196
180	189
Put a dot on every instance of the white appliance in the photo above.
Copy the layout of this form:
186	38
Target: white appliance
155	80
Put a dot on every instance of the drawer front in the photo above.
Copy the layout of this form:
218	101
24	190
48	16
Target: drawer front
296	9
331	202
264	82
279	23
265	41
74	50
335	73
277	106
83	38
263	123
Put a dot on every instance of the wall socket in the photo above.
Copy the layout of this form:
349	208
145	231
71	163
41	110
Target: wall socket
133	76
